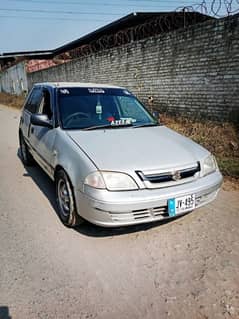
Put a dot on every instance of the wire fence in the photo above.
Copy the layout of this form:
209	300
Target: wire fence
215	8
181	18
159	25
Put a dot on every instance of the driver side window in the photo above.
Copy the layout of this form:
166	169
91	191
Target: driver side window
45	105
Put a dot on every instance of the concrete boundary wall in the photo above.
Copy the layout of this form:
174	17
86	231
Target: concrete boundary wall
193	71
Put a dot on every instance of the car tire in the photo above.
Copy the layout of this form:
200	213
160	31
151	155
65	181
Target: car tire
66	200
26	156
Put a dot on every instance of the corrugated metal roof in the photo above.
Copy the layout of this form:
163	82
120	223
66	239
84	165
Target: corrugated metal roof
38	54
128	21
131	20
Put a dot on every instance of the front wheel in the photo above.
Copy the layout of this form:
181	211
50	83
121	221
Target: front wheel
65	200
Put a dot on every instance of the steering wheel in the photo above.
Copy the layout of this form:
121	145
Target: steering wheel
76	115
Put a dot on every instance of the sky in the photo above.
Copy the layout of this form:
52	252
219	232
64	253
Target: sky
27	25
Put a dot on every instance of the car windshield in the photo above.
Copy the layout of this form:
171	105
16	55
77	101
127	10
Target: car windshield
95	108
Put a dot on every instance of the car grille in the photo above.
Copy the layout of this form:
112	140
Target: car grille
169	177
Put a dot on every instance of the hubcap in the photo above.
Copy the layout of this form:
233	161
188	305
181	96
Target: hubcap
63	197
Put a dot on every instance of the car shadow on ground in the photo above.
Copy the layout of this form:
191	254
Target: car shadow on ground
91	230
42	180
47	187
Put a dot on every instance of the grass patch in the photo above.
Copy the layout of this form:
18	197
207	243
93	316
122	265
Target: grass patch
221	139
229	166
12	100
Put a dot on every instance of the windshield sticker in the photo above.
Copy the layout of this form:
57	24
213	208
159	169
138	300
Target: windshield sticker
95	91
122	121
128	119
64	91
98	109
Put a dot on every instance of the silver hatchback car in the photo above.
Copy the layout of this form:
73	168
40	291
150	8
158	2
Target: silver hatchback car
112	162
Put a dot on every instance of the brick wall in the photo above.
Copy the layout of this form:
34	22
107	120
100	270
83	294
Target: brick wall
193	71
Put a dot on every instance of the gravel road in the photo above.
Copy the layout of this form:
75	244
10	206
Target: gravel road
186	268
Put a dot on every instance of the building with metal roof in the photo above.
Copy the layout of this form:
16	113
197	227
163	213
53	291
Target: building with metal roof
132	27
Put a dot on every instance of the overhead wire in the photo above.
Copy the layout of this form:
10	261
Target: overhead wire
59	12
215	8
52	18
144	2
72	12
97	3
104	4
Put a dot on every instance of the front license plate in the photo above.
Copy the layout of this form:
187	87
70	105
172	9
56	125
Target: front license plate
180	205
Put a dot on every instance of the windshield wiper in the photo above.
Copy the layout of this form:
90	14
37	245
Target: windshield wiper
145	125
97	127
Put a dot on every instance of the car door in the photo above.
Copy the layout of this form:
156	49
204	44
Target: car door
30	107
42	138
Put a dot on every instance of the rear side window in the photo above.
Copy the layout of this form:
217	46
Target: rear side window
34	100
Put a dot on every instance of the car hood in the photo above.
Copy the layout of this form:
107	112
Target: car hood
145	148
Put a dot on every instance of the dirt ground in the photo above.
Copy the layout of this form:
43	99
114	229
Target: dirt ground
230	184
186	268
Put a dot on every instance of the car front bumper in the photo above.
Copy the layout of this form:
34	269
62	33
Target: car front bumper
113	209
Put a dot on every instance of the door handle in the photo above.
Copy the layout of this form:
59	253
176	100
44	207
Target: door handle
32	130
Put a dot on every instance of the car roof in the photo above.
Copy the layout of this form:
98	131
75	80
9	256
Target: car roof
77	85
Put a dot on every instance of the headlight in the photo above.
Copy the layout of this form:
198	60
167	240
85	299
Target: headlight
113	181
95	180
209	165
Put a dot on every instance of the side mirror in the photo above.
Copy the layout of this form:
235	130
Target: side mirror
41	120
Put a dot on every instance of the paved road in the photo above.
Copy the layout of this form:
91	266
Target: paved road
188	268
